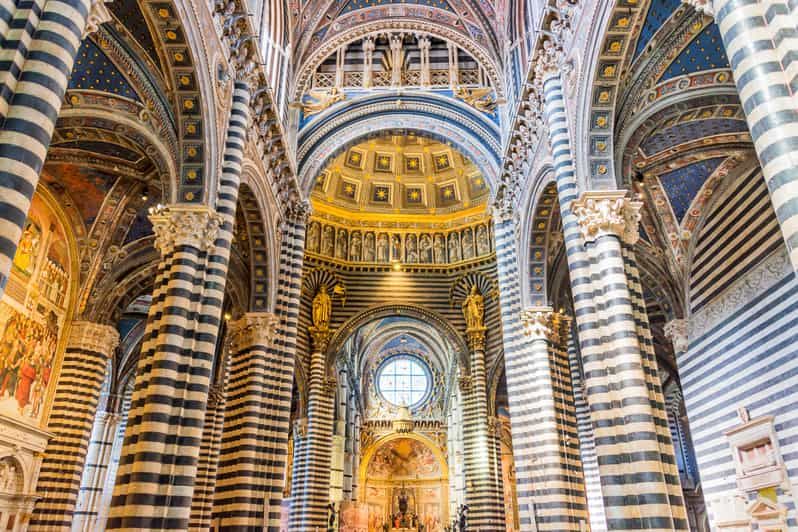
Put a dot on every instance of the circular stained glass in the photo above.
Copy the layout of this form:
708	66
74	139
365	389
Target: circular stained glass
404	381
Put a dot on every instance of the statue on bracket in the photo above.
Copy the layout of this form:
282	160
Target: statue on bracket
355	245
396	248
483	244
327	241
425	247
341	245
468	244
322	308
382	248
474	309
313	237
440	249
454	248
412	249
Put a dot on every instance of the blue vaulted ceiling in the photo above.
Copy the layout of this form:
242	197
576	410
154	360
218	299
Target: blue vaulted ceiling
658	12
682	185
705	52
93	70
667	138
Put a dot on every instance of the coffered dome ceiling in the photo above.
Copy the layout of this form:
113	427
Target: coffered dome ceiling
397	176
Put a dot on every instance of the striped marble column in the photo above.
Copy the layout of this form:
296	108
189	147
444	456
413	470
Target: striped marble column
95	475
637	487
760	40
310	489
549	424
258	400
27	127
483	493
74	407
205	483
158	467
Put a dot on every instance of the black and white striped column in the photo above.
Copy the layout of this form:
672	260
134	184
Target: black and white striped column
74	408
638	488
158	467
760	40
483	488
33	95
259	399
551	455
310	489
205	483
95	474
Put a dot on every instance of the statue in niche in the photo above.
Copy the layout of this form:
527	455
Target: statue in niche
474	309
322	308
483	244
355	244
412	249
468	244
454	248
314	233
368	247
440	249
425	249
8	476
327	241
396	248
341	244
382	248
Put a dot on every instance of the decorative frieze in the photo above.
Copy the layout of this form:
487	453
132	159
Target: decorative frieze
184	225
602	213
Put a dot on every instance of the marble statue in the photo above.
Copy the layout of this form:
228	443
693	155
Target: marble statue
327	241
341	244
313	237
368	247
355	245
440	250
382	248
396	248
483	244
412	249
468	244
425	249
454	248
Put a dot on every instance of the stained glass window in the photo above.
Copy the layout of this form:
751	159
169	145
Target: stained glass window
404	381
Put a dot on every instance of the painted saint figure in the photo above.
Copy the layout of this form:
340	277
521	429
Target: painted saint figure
368	248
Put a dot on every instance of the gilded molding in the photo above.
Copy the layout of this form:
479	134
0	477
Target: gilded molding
184	225
602	213
95	337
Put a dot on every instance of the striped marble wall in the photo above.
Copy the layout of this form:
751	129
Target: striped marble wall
743	349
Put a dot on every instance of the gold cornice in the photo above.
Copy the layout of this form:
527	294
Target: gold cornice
322	260
371	219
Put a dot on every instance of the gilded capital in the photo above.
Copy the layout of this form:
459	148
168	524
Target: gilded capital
94	337
544	323
253	328
476	338
184	225
676	331
610	212
321	338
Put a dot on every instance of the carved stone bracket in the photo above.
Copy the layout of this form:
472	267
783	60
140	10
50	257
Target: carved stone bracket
547	63
476	338
676	330
94	337
610	212
184	225
254	328
321	338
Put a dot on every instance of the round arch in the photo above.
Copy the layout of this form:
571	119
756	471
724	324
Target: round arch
410	311
417	26
369	452
443	119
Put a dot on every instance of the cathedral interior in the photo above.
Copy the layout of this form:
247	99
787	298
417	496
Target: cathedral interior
399	265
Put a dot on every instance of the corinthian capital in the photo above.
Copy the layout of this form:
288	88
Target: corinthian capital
608	213
94	337
184	225
702	6
540	324
254	328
